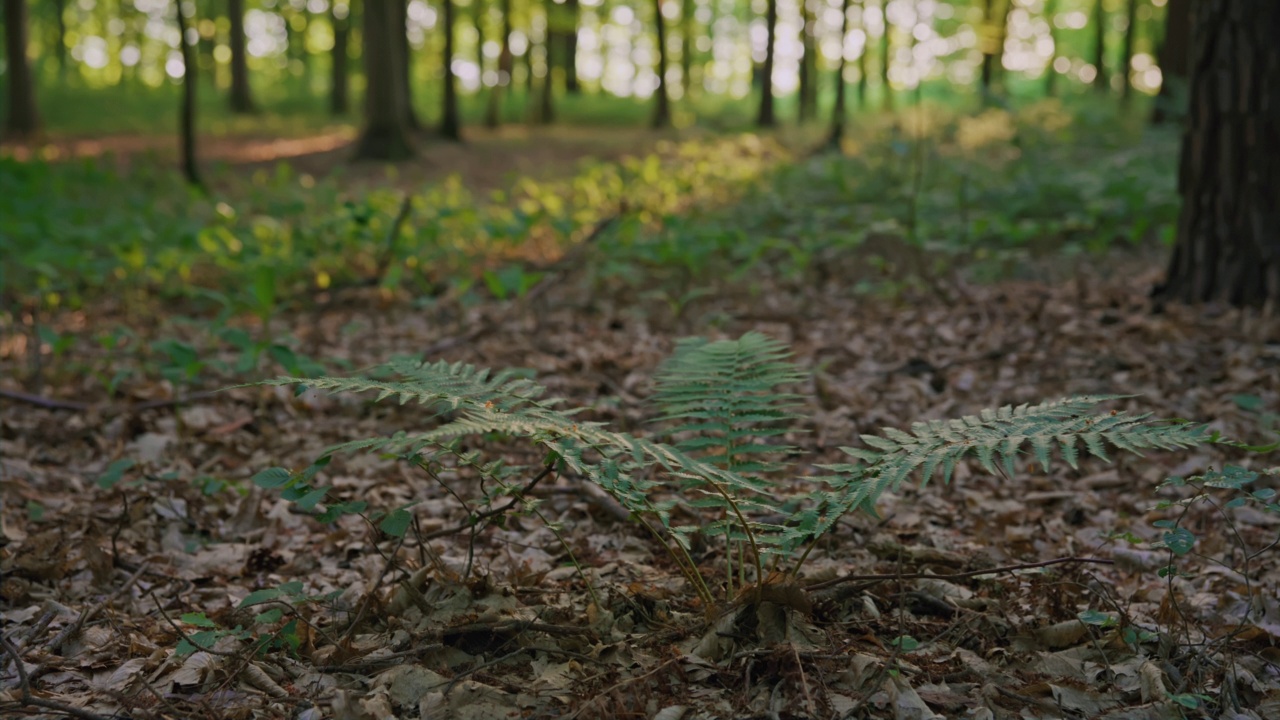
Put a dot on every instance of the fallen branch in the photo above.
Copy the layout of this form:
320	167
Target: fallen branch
107	411
24	689
953	576
74	628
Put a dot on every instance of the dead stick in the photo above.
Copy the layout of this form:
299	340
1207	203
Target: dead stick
954	576
24	689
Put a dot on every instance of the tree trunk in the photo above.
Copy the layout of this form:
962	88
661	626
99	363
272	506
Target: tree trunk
339	99
886	54
662	107
1126	51
386	131
1051	73
187	115
493	111
1099	22
766	118
60	40
838	114
450	125
241	98
403	53
546	108
22	120
808	63
863	80
1174	59
686	47
571	84
1228	240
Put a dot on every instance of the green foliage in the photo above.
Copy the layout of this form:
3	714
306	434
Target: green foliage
726	400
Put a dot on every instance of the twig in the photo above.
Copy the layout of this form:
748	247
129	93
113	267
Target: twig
108	411
389	248
24	689
623	683
71	630
954	576
475	519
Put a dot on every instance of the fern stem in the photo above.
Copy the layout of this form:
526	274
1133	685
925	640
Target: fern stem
686	565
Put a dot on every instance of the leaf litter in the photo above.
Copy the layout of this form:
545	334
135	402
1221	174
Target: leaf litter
171	587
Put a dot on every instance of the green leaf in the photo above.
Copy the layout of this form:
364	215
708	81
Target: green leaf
198	619
396	523
1248	402
1096	618
272	478
1179	541
114	472
257	597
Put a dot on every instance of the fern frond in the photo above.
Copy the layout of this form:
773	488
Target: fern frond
997	436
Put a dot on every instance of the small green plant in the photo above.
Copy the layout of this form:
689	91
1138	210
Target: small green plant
727	404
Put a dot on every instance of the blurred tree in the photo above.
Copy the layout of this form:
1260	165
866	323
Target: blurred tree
1126	50
403	55
686	46
808	62
22	119
450	124
886	54
546	109
492	114
1228	238
662	101
862	56
1051	72
386	131
340	17
241	98
838	113
190	72
60	35
574	12
1174	59
766	118
1099	24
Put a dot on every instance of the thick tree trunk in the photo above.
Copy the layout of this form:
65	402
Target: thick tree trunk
493	111
241	98
546	105
187	115
386	132
839	113
1174	59
22	119
766	117
662	101
1099	23
450	124
990	48
1228	241
339	97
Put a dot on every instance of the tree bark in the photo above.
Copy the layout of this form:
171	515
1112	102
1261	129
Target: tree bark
241	97
1228	238
839	113
662	106
766	117
1099	21
450	124
187	115
339	98
1174	59
22	120
386	131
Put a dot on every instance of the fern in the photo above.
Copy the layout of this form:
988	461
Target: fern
1000	435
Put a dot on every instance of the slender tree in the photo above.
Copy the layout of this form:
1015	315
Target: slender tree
403	54
662	101
686	46
493	110
187	115
808	63
1126	53
573	9
1099	21
838	114
766	117
546	107
1051	73
886	55
386	131
22	119
60	35
450	124
1174	59
1228	237
339	97
241	98
862	56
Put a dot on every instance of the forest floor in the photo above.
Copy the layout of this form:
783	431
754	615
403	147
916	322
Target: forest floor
101	583
146	576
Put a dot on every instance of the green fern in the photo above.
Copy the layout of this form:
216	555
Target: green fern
1068	425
